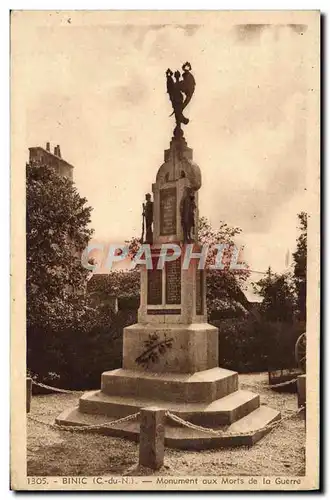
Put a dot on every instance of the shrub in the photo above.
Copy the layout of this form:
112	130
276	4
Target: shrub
129	303
75	355
248	345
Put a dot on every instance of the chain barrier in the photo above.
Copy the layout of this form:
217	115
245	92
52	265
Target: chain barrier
68	391
170	415
282	384
270	386
55	389
84	428
221	433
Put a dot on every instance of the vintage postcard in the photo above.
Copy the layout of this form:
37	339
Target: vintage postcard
165	171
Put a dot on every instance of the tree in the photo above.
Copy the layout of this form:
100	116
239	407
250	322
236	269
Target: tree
119	283
224	286
278	295
300	266
57	232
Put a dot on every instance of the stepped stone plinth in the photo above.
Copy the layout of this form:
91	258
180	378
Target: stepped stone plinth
171	356
199	387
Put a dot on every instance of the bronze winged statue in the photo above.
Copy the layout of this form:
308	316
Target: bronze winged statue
180	91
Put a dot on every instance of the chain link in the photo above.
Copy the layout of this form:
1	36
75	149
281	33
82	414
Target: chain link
68	391
221	433
270	386
282	384
55	389
170	415
84	428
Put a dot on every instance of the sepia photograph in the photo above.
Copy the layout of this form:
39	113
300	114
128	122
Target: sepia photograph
165	199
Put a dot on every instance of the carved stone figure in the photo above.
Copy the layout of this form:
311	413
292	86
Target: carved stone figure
187	209
147	218
180	91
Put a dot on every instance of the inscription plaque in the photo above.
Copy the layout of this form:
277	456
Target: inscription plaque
158	312
168	211
199	291
173	282
154	296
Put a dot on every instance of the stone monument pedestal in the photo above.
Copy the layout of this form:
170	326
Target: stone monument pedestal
170	357
209	398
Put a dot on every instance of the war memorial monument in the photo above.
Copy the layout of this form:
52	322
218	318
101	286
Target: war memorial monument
171	356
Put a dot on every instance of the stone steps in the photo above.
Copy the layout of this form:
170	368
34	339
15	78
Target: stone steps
209	398
203	386
223	411
248	429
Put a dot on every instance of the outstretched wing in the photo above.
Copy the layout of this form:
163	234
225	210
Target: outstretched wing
188	85
169	83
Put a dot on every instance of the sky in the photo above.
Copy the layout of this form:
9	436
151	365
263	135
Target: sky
100	92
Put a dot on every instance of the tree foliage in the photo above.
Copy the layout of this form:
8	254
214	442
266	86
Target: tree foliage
278	295
57	232
116	283
224	286
300	266
285	294
58	314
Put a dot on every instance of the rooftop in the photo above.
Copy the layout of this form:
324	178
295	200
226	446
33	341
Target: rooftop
56	154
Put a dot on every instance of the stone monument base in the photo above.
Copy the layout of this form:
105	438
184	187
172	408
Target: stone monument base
248	430
209	398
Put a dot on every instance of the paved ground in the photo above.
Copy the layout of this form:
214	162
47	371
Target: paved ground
57	453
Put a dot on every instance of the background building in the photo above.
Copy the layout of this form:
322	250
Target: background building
46	157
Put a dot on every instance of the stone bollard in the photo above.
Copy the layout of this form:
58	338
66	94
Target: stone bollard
28	393
152	437
301	388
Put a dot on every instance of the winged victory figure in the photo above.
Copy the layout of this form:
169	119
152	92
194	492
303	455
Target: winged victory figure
180	91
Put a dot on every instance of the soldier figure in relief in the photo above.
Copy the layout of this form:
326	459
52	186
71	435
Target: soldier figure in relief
148	216
187	209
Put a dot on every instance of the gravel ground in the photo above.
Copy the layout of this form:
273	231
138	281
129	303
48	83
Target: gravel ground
56	453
